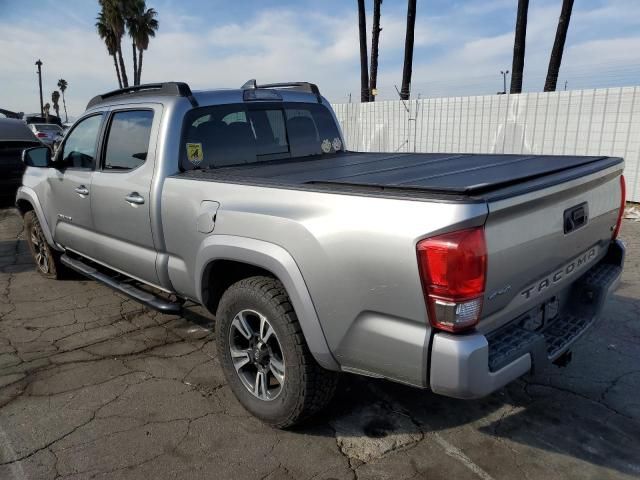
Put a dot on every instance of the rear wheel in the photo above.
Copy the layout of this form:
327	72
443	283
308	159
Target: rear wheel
46	259
265	357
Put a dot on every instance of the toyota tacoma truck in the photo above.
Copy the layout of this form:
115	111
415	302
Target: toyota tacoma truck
454	272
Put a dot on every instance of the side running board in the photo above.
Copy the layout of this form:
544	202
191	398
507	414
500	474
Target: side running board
150	300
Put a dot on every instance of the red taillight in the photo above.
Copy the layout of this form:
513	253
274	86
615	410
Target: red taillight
453	272
623	200
41	135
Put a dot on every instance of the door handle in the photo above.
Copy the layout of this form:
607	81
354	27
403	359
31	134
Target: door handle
82	190
134	198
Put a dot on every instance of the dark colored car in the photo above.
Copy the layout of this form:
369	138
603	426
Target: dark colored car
15	136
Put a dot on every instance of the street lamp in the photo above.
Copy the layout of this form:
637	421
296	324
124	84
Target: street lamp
39	64
504	81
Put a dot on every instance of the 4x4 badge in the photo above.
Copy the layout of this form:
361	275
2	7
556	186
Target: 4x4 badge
501	291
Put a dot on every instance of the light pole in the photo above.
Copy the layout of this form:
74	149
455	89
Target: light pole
504	81
39	64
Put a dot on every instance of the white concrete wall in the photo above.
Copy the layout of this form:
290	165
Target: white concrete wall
575	122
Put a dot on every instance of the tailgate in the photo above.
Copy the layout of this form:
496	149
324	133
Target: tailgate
540	242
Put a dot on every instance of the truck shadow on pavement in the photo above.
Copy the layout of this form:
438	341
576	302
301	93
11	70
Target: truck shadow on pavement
15	257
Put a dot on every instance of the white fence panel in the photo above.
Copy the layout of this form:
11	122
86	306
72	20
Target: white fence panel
575	122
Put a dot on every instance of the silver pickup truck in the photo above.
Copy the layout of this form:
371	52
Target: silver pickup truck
453	272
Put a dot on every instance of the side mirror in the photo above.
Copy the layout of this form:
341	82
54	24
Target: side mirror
39	157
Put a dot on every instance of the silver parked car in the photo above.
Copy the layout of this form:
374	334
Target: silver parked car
453	272
48	133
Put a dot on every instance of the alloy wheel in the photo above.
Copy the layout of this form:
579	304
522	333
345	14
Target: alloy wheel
40	248
257	355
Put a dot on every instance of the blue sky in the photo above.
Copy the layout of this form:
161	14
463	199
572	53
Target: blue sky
461	46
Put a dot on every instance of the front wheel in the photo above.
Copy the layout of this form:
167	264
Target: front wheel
44	256
264	355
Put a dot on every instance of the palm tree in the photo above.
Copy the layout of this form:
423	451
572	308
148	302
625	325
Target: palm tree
46	108
55	98
405	91
375	40
130	21
142	25
62	85
558	46
517	66
114	12
104	30
364	74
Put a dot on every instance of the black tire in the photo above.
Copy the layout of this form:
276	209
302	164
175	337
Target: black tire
46	259
307	387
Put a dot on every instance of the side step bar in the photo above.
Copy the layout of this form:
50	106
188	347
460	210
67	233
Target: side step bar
150	300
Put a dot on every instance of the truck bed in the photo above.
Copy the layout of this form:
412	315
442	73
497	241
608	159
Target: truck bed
438	173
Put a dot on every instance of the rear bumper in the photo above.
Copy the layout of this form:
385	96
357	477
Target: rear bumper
474	365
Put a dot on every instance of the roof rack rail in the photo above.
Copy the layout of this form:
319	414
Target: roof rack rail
302	86
169	89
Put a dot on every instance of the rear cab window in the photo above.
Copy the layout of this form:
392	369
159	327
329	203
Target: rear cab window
237	134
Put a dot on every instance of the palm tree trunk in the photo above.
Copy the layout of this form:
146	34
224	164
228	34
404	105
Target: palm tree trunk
405	91
558	46
135	65
364	67
64	104
123	70
139	66
375	40
517	66
115	62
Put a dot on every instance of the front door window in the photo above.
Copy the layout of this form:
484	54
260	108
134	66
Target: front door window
79	148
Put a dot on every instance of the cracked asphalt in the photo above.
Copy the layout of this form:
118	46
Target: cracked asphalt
93	385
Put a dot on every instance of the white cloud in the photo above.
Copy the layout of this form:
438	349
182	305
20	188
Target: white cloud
71	53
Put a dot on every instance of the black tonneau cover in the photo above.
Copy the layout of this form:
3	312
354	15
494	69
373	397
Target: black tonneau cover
447	173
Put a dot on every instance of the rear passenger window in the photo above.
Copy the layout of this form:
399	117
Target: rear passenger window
128	140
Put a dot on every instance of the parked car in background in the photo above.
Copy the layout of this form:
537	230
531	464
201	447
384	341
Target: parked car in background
48	133
37	118
15	136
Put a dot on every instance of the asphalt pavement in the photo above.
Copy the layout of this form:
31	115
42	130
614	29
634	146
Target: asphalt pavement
93	385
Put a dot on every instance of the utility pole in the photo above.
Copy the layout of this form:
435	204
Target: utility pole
504	81
39	64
